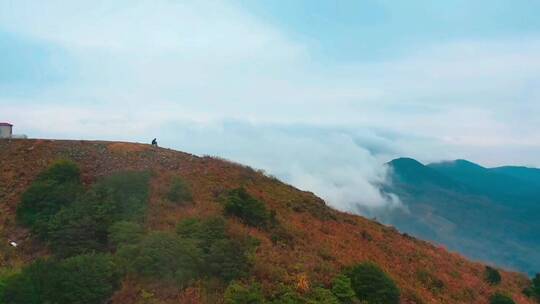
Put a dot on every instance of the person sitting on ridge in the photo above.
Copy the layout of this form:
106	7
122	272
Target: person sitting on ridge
154	142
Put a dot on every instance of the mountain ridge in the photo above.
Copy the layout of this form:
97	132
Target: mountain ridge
488	209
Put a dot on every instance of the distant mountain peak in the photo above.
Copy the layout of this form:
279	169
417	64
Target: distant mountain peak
405	161
458	163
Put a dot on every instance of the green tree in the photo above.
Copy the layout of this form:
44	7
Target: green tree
54	188
534	290
179	192
223	256
84	226
322	296
371	284
163	255
237	293
342	289
125	232
251	211
499	298
86	279
227	259
32	285
204	232
492	275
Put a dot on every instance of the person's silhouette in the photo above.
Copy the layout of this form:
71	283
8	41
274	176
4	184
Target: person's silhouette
154	142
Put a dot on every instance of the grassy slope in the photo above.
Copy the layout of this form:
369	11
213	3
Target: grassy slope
322	245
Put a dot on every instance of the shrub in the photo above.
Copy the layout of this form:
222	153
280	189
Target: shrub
371	284
124	232
179	192
499	298
534	290
237	293
227	259
128	193
203	232
342	289
5	275
492	275
54	188
86	279
250	210
32	285
224	257
163	255
322	296
84	226
288	297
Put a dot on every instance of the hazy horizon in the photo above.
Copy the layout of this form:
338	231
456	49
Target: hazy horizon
320	94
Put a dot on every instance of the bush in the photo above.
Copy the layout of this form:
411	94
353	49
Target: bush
84	226
237	293
322	296
534	290
342	289
32	285
492	276
499	298
224	257
371	284
54	188
203	232
124	232
127	192
86	279
163	255
179	192
250	210
288	296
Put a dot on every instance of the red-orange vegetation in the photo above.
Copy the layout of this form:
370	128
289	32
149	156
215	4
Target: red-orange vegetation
324	241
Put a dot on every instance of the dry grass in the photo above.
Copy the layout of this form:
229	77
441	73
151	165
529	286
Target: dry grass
324	240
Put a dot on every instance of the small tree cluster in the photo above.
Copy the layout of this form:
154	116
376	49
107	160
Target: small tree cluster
251	211
55	188
200	248
84	226
162	256
534	290
373	285
500	298
342	289
224	257
84	279
237	293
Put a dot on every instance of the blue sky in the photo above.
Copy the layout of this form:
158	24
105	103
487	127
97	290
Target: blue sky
319	93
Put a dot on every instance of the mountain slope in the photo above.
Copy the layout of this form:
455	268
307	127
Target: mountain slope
492	183
481	212
531	175
323	241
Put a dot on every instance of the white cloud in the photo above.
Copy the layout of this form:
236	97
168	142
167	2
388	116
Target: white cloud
178	70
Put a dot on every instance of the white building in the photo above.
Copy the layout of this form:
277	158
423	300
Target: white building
6	130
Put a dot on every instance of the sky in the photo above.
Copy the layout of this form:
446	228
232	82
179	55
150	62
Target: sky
318	93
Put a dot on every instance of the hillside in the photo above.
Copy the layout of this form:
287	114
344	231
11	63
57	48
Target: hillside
318	241
487	214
